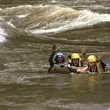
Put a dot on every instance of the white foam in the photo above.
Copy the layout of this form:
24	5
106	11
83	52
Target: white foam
9	23
84	18
58	19
42	31
23	16
2	35
53	1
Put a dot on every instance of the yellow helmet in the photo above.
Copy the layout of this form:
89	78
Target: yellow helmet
91	58
75	56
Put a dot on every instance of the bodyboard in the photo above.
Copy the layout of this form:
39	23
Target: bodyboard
60	69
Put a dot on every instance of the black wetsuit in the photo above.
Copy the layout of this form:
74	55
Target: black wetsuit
103	65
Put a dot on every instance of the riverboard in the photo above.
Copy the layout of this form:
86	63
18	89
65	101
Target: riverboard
59	69
65	70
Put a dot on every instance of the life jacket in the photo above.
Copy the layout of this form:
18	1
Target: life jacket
98	68
94	70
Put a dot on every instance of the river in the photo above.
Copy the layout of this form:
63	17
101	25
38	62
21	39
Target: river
28	29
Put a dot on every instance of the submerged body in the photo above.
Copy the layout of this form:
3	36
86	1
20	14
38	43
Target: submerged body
93	66
76	61
56	58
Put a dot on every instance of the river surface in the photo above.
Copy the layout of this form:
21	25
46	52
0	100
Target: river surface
28	28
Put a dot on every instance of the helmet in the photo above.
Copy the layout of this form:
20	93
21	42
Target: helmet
75	56
56	58
58	54
91	58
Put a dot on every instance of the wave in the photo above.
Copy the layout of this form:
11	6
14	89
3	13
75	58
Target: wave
50	18
2	34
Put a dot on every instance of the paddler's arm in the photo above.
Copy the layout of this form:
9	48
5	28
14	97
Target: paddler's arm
54	50
83	70
100	57
103	65
83	51
51	59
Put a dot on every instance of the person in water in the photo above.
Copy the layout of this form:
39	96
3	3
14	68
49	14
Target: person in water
76	61
94	65
56	57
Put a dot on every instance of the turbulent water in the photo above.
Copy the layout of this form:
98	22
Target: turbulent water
28	28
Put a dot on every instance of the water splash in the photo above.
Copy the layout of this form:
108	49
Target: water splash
51	18
2	35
